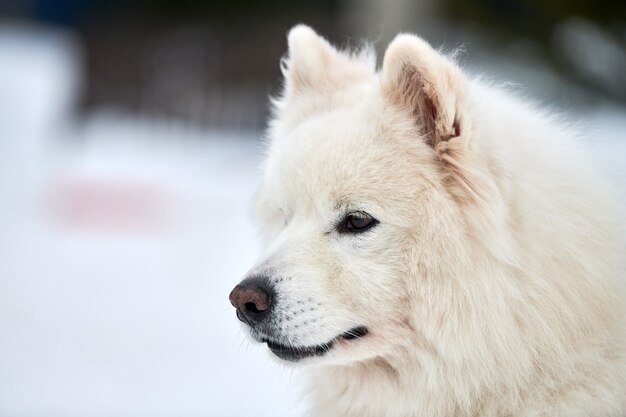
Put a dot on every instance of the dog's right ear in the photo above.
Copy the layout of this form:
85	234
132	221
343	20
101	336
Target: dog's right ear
313	65
308	61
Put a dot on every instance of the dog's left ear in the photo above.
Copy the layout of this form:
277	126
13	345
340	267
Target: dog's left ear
434	91
429	86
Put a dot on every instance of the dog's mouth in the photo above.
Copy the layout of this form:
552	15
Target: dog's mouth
296	353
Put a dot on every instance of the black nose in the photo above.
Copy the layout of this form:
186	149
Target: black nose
252	298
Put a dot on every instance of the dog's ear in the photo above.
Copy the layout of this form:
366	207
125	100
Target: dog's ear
433	90
429	86
308	60
313	65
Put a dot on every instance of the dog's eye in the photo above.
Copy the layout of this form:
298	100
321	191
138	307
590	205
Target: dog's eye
357	222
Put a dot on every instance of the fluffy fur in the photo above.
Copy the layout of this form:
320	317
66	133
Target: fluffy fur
490	285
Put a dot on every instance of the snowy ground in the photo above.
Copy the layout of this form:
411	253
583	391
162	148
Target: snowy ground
101	318
120	241
119	307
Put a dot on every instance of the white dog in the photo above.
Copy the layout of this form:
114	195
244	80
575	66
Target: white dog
435	246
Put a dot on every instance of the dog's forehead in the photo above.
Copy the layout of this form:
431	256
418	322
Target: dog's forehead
327	142
344	155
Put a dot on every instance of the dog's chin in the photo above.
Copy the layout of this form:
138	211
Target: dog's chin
293	353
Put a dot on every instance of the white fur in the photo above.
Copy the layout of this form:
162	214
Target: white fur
490	286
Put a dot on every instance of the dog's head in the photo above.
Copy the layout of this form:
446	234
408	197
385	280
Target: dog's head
359	202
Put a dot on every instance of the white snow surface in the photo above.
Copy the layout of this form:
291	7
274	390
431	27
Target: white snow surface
102	318
111	321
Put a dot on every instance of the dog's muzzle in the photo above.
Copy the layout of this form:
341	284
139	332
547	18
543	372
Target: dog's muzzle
255	301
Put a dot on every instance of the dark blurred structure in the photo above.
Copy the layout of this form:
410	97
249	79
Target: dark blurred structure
583	39
214	63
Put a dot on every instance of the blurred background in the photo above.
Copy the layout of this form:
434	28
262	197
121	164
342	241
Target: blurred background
130	139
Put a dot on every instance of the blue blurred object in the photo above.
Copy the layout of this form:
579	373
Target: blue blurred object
62	12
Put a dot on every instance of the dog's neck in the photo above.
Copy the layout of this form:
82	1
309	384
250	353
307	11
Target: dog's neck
357	390
401	387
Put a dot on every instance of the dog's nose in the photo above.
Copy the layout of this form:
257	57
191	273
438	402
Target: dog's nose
252	298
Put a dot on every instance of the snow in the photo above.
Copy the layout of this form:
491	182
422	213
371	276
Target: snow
114	322
100	318
120	308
